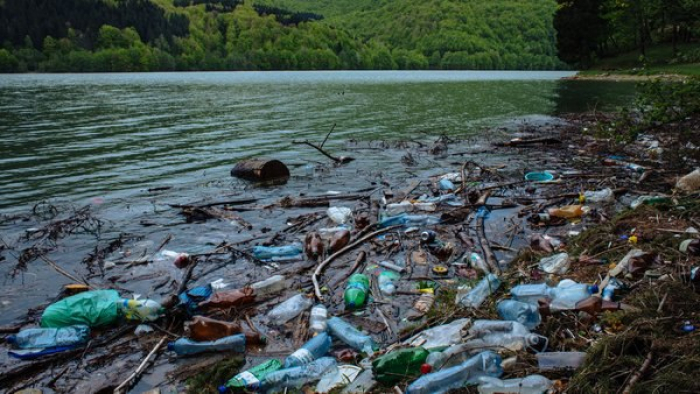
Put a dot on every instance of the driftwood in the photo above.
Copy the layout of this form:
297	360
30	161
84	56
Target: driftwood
204	213
260	170
318	201
520	142
142	367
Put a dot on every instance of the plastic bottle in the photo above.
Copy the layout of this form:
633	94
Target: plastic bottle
566	290
339	215
549	361
523	313
533	384
398	208
449	357
421	306
318	320
229	299
649	200
313	349
477	262
440	337
487	286
691	247
290	309
356	291
38	338
179	260
567	212
568	293
605	195
557	264
141	310
94	308
271	285
202	328
609	290
186	347
250	379
298	376
446	184
499	335
634	260
339	240
386	282
399	364
276	252
482	364
349	335
313	246
409	221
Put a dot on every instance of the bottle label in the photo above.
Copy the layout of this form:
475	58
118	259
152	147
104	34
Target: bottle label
250	381
303	355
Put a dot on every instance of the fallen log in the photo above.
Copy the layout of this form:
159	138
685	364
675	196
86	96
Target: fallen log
260	170
521	142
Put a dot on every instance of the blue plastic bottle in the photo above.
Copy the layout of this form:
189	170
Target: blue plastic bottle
276	252
186	347
40	338
521	312
313	349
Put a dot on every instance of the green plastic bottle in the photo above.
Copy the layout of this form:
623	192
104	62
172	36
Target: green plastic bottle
250	379
398	365
356	291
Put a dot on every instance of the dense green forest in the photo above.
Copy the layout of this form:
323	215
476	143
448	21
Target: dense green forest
589	30
152	35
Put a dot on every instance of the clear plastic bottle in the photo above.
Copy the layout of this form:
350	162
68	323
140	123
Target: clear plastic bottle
453	355
186	347
271	285
499	335
141	310
487	286
557	264
276	252
298	376
386	282
409	220
446	184
399	208
477	262
39	338
482	364
533	384
318	320
440	337
567	291
560	360
351	336
605	195
290	309
521	312
339	215
313	349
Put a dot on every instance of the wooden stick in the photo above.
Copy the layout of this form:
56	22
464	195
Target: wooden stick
64	272
142	367
327	135
339	160
319	269
638	374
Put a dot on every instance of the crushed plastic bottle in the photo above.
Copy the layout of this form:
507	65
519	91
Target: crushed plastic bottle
277	252
566	293
446	185
313	349
521	312
290	309
352	337
318	320
557	264
440	337
386	283
141	310
342	376
356	291
339	215
399	364
271	285
650	200
482	364
533	384
250	379
298	376
487	286
186	347
477	262
498	335
549	361
40	338
605	195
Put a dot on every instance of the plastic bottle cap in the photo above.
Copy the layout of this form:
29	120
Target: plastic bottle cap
171	346
426	368
223	389
440	270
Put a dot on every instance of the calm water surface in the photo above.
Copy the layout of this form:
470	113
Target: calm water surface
80	136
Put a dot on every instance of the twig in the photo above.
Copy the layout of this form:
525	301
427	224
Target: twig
142	367
64	272
638	374
327	135
319	269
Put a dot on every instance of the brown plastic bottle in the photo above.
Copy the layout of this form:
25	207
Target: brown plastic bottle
313	246
202	328
339	241
229	299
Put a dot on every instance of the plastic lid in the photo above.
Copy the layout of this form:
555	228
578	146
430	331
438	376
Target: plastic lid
171	346
426	368
593	289
223	389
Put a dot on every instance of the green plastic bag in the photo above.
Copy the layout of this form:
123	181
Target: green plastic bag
92	308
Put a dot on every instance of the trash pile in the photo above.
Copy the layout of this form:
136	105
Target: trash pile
425	289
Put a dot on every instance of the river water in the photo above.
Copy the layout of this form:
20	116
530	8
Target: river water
74	137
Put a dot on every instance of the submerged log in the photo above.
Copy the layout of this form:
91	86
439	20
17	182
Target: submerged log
260	170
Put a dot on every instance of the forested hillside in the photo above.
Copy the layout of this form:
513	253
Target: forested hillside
151	35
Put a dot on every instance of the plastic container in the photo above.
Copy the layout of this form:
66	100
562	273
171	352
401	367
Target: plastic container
399	364
186	347
290	309
409	221
521	312
351	336
482	364
141	310
39	338
386	283
318	320
298	376
557	264
487	286
276	252
533	384
551	361
356	291
250	379
271	285
95	308
539	177
339	215
691	247
313	349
